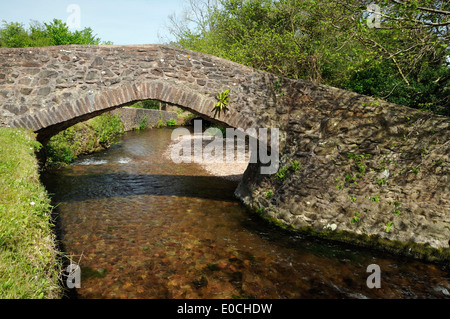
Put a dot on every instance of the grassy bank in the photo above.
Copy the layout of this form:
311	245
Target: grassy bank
29	266
30	263
84	138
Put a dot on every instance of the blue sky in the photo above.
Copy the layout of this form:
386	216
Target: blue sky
119	21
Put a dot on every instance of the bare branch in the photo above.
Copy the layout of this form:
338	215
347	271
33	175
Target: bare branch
425	9
390	57
434	24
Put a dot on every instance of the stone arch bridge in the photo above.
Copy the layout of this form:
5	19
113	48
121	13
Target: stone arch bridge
358	156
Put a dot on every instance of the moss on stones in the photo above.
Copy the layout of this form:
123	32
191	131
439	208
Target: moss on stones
409	249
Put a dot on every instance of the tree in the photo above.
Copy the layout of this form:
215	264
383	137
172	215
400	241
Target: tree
410	52
59	34
195	15
13	35
403	60
53	33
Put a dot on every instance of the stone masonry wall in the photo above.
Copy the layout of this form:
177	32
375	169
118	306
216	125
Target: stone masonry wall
366	167
132	117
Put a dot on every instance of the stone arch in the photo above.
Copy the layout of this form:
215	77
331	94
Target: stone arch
48	122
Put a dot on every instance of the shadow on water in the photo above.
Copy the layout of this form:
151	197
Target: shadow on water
84	187
65	262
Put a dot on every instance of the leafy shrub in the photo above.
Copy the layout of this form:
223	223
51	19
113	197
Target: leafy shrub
61	147
149	105
108	127
171	122
143	123
83	138
160	123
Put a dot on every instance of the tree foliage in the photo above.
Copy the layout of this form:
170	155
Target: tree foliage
403	59
15	35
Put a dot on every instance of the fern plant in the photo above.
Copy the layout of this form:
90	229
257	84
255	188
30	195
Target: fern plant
222	98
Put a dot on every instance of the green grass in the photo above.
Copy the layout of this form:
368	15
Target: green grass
84	138
29	260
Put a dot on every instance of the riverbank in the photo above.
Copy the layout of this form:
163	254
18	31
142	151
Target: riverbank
84	138
29	258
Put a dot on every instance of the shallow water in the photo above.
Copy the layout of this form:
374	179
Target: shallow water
142	227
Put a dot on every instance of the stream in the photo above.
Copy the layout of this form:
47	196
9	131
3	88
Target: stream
141	226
